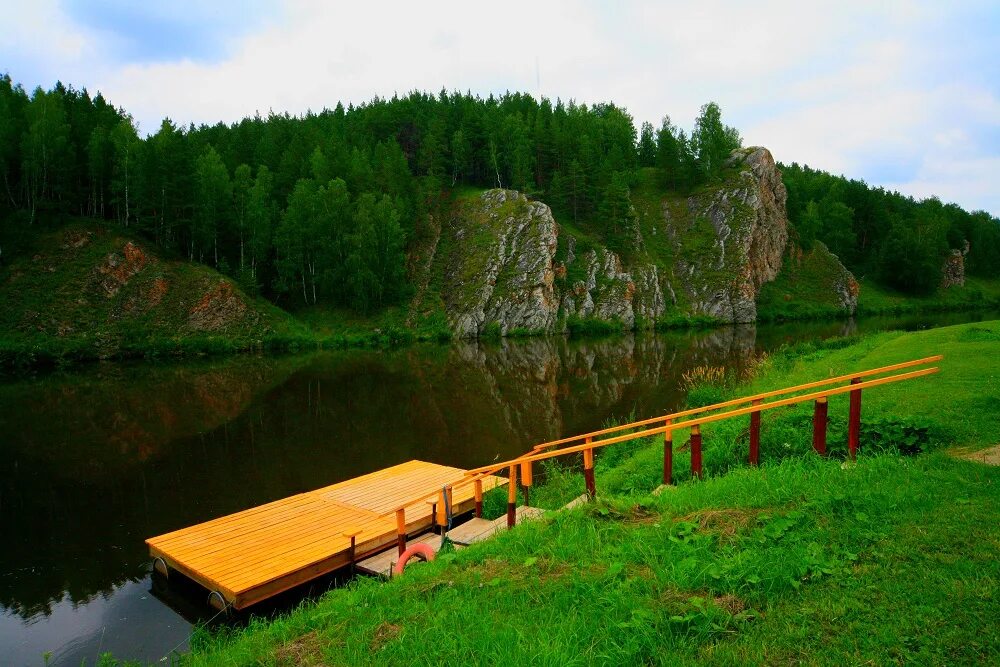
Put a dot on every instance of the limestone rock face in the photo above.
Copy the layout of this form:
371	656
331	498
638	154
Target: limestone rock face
731	239
612	293
707	254
498	265
953	271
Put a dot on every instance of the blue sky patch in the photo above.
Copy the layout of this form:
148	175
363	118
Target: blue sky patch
161	32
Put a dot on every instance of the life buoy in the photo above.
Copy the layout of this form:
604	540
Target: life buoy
419	550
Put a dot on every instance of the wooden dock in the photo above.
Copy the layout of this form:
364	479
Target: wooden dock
252	555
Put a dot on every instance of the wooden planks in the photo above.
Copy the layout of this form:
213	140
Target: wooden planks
259	552
477	530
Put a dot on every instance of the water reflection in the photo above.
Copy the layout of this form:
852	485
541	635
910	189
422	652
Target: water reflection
93	462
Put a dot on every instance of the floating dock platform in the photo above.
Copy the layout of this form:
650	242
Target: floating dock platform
252	555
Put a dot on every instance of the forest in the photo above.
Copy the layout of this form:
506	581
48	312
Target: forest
322	208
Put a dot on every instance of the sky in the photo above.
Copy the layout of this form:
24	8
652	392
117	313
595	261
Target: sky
905	95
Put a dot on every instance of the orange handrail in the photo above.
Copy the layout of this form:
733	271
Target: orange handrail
671	422
738	401
541	456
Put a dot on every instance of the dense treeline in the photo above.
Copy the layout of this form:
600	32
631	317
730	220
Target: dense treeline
322	208
895	239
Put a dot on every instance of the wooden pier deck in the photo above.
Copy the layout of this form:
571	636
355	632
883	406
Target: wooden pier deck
257	553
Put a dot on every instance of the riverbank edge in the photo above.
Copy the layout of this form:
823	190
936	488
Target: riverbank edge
527	556
25	354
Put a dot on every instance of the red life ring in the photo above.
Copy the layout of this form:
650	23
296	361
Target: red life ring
419	550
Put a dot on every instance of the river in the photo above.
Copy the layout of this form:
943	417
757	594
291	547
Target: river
95	460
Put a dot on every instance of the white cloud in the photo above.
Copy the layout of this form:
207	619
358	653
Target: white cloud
860	88
971	182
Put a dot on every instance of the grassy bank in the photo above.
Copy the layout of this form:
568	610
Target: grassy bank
802	292
889	560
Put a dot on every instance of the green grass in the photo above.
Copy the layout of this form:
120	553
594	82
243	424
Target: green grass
891	560
977	293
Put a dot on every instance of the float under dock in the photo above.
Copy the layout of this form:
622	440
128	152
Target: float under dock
252	555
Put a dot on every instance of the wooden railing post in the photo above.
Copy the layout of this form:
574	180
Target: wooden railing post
401	530
755	436
352	532
854	422
819	426
512	496
668	455
442	509
526	480
479	498
588	471
696	451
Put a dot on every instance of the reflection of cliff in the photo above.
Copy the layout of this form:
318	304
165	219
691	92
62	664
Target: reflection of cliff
563	386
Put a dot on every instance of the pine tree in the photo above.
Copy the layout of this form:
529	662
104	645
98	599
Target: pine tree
647	146
242	186
45	150
713	141
213	201
617	214
260	220
668	154
125	145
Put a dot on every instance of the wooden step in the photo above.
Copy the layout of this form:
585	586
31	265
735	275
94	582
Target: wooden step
576	502
381	564
475	530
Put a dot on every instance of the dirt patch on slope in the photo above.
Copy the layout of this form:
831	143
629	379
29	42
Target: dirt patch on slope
305	650
218	309
118	269
990	456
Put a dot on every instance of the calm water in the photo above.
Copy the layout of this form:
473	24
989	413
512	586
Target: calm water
94	461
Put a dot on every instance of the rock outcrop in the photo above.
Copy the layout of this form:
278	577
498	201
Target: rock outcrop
498	259
953	271
499	265
731	240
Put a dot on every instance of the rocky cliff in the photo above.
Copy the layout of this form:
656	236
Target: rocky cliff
744	245
505	265
953	269
498	269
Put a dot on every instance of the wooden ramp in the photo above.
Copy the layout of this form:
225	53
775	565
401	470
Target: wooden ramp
257	553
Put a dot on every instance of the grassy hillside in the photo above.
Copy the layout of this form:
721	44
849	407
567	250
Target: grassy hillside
890	560
802	291
89	291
